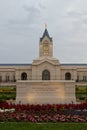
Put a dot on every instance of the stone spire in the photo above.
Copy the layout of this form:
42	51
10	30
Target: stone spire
46	44
46	34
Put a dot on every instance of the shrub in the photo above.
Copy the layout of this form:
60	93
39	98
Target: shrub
82	97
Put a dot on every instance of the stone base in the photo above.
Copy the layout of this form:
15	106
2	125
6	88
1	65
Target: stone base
45	92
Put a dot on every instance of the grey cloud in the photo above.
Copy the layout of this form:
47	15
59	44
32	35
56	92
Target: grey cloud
41	6
31	9
32	16
21	25
74	13
85	21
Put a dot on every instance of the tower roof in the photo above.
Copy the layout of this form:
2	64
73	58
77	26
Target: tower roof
46	34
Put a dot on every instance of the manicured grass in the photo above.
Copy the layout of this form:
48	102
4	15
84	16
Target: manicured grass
42	126
7	92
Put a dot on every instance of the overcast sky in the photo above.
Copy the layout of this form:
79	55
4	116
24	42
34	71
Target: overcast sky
22	24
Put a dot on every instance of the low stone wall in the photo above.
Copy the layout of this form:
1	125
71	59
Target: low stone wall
45	92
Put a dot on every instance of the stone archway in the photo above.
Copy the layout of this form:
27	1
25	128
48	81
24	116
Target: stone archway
24	76
68	76
45	75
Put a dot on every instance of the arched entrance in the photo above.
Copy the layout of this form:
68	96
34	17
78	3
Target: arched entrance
45	75
24	76
67	76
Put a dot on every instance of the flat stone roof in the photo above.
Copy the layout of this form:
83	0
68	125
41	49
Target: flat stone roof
73	64
65	64
15	64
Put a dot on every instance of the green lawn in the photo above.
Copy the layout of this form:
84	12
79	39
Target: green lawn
42	126
7	92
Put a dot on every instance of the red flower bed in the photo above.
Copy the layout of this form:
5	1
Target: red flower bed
44	113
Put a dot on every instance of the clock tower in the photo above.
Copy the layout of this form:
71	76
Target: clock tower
46	45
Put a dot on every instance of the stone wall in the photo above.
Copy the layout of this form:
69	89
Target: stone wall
47	92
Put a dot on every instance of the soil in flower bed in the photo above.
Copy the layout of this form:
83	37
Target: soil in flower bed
42	126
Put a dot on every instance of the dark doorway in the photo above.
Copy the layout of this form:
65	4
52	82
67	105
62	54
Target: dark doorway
68	76
45	75
24	76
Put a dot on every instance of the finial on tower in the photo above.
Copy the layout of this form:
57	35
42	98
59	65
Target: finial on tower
45	26
45	34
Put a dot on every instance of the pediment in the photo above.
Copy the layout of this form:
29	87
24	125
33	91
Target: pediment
46	60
